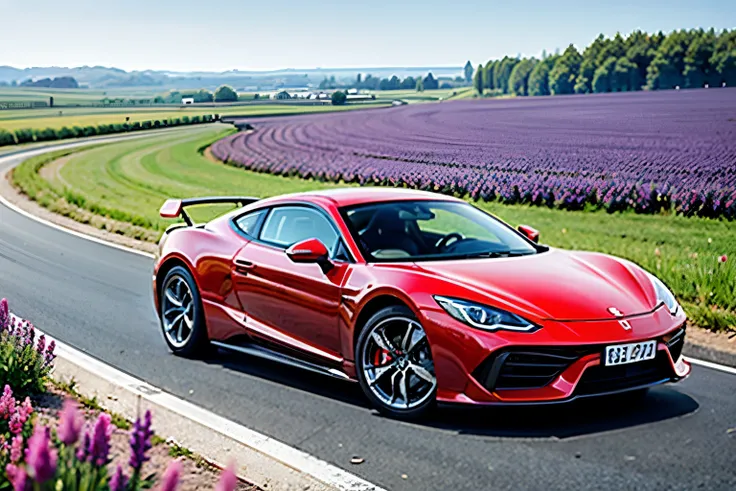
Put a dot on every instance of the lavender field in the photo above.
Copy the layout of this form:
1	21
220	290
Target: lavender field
646	151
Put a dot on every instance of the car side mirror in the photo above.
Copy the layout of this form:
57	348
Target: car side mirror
310	251
529	232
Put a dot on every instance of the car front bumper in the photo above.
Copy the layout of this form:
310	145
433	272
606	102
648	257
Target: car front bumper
559	363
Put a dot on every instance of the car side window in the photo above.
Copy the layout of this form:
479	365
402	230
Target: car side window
288	225
248	223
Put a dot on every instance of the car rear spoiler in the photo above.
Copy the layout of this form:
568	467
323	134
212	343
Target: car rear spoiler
174	208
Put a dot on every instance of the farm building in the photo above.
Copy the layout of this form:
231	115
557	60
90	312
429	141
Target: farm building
185	101
281	95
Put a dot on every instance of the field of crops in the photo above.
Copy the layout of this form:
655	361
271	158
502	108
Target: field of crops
647	151
12	120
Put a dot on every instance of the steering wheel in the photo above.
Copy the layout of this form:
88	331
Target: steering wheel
445	241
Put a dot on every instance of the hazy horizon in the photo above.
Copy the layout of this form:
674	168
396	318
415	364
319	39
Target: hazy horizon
183	36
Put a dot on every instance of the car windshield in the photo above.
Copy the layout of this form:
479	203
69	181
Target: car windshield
401	231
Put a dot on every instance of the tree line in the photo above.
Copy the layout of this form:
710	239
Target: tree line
369	82
224	93
640	61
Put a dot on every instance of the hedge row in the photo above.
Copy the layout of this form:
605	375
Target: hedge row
50	134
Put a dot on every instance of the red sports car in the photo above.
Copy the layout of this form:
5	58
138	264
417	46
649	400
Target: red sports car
421	298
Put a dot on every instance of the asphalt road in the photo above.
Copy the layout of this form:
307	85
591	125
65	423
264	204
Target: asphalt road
98	300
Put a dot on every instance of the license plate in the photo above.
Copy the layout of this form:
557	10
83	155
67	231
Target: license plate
622	354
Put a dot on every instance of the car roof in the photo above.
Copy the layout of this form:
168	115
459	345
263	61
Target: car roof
351	196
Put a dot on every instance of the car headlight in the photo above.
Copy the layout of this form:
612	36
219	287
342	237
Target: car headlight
664	295
484	317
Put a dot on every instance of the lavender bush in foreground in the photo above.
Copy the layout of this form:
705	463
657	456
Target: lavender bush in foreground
24	361
647	152
48	461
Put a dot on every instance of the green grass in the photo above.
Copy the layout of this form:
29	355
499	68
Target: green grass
129	181
56	118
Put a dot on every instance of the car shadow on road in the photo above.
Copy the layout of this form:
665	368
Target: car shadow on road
586	416
314	383
577	418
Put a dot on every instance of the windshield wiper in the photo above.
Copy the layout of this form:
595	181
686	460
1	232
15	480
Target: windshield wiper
492	254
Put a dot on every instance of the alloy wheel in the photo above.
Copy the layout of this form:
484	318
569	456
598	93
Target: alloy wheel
397	363
178	311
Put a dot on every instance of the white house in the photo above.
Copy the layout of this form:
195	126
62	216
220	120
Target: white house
185	101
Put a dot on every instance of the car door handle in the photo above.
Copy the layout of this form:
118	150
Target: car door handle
244	266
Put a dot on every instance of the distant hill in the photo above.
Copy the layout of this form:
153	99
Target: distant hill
54	83
99	77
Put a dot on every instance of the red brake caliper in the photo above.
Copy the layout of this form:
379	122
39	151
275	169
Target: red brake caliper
381	357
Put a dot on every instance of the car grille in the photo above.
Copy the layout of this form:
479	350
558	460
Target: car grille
536	367
527	368
601	379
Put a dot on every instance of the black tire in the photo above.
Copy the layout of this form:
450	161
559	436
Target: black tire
413	413
197	343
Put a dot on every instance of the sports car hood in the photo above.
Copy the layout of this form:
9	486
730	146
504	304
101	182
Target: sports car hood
559	285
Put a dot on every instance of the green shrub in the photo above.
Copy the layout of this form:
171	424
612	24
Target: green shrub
339	98
6	138
89	130
24	136
157	124
185	120
175	122
136	126
225	93
64	133
146	125
45	135
196	120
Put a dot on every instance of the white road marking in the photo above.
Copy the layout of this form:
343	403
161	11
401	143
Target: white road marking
710	364
289	456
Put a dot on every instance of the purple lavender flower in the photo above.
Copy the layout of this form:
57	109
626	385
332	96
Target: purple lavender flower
140	441
119	481
49	356
40	457
41	345
99	447
16	449
16	424
228	479
25	410
70	423
170	479
4	315
17	477
7	403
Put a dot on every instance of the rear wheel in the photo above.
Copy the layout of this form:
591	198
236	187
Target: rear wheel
182	318
394	364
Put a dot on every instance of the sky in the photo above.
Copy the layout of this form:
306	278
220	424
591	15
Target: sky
187	35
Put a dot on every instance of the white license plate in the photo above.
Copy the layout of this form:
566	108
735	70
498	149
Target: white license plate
621	354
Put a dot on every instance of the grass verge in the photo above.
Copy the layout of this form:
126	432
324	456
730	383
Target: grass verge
128	182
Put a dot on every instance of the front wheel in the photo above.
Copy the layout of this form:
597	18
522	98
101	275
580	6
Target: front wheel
182	318
394	364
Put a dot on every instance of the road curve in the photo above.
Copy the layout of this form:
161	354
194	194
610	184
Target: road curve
98	300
